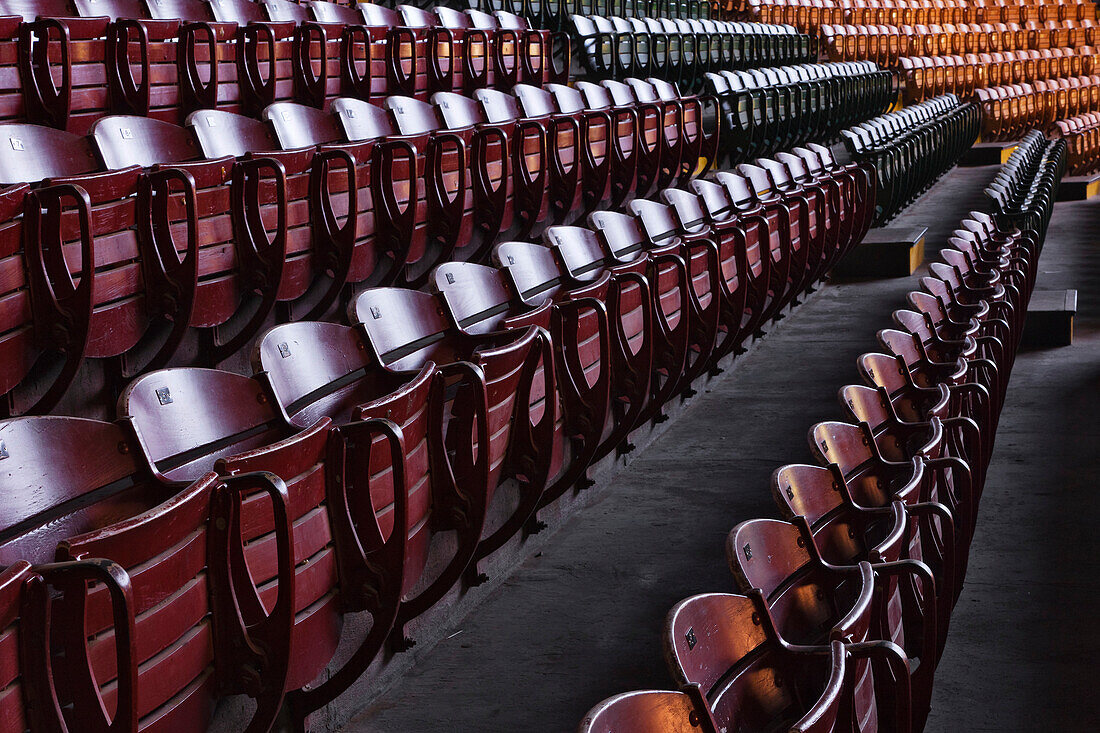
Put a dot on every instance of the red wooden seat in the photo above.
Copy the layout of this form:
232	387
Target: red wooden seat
406	50
860	179
792	214
994	334
62	64
158	655
319	54
24	610
700	146
47	313
375	59
498	66
946	445
135	319
211	54
239	270
631	310
814	602
422	183
821	239
1003	294
974	378
846	533
701	253
748	221
948	358
523	51
568	412
465	188
454	63
630	250
649	711
775	222
363	232
540	167
925	368
637	158
382	238
539	49
573	165
942	538
161	68
731	235
844	209
510	190
596	135
912	402
276	59
661	124
675	129
407	329
254	436
40	692
396	472
600	328
727	647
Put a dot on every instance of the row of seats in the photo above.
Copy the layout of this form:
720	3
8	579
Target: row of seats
1009	111
69	63
205	231
554	14
227	552
677	50
910	148
1082	136
931	76
1024	191
813	14
764	111
843	605
888	43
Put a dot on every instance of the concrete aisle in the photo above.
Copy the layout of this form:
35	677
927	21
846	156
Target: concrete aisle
1021	653
583	619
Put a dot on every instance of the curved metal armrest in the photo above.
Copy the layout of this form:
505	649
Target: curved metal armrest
74	576
897	662
260	640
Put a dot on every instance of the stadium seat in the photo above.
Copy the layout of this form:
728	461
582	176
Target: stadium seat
650	711
293	561
397	469
407	331
811	601
153	627
569	410
146	297
728	646
628	249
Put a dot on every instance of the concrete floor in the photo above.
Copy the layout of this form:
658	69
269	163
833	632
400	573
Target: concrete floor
582	619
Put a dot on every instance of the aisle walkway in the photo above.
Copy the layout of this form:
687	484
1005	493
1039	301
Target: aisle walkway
583	620
1024	641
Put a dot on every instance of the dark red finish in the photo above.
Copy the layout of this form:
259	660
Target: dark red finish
582	330
701	253
233	265
291	563
629	250
491	379
728	648
481	301
651	711
814	602
154	648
